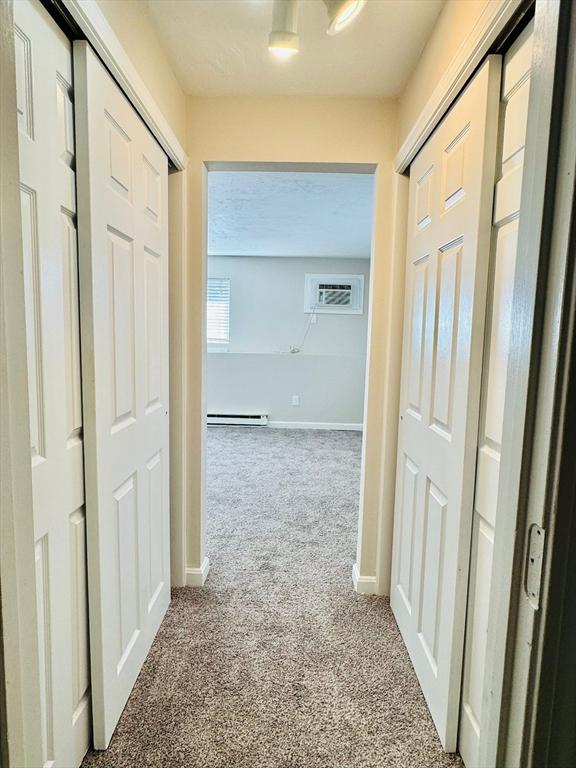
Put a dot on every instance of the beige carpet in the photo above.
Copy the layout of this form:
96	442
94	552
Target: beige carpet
276	662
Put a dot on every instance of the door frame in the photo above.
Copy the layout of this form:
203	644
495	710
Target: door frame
519	635
197	576
552	739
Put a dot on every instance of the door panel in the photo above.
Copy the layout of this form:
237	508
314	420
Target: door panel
417	335
124	301
48	197
514	104
451	184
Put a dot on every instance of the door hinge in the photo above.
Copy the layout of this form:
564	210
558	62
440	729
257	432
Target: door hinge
534	561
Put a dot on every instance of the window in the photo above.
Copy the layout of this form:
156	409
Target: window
218	314
334	294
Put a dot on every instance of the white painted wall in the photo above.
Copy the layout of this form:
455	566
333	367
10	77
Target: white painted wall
257	372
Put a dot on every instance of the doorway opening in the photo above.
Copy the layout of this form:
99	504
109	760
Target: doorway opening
287	317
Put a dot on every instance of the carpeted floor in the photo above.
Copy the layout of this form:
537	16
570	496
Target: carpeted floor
276	662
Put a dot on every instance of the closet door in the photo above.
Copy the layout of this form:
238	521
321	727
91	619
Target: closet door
123	230
451	188
510	164
48	199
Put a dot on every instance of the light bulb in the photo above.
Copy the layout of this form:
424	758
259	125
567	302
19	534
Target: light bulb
283	53
283	41
342	13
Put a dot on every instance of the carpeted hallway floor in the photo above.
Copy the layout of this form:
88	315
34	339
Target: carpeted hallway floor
276	662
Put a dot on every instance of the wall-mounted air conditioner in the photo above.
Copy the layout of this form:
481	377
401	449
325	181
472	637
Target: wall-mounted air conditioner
334	294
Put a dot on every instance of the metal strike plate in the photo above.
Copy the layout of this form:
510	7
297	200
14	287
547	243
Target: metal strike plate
534	565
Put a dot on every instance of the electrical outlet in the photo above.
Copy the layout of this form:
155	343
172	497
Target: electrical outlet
295	399
313	319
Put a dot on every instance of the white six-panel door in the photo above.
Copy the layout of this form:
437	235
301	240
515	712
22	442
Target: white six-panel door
514	113
449	224
123	232
48	196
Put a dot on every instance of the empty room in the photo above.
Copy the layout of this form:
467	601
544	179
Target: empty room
287	320
287	383
288	276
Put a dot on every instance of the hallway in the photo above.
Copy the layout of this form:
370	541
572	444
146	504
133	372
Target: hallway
272	663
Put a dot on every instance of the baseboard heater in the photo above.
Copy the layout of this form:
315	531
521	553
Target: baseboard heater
238	419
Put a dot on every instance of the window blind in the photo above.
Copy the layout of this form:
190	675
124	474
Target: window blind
218	310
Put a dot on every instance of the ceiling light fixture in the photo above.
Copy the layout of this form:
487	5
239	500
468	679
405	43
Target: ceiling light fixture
342	13
284	41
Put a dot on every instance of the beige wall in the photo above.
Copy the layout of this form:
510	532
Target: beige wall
456	21
132	24
308	130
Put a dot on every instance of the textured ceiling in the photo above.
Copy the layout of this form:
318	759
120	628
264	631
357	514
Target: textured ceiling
219	47
289	214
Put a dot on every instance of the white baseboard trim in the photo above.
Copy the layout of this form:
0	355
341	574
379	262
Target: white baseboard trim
315	425
364	585
195	577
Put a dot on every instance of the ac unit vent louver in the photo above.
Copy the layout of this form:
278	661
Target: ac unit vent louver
334	294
